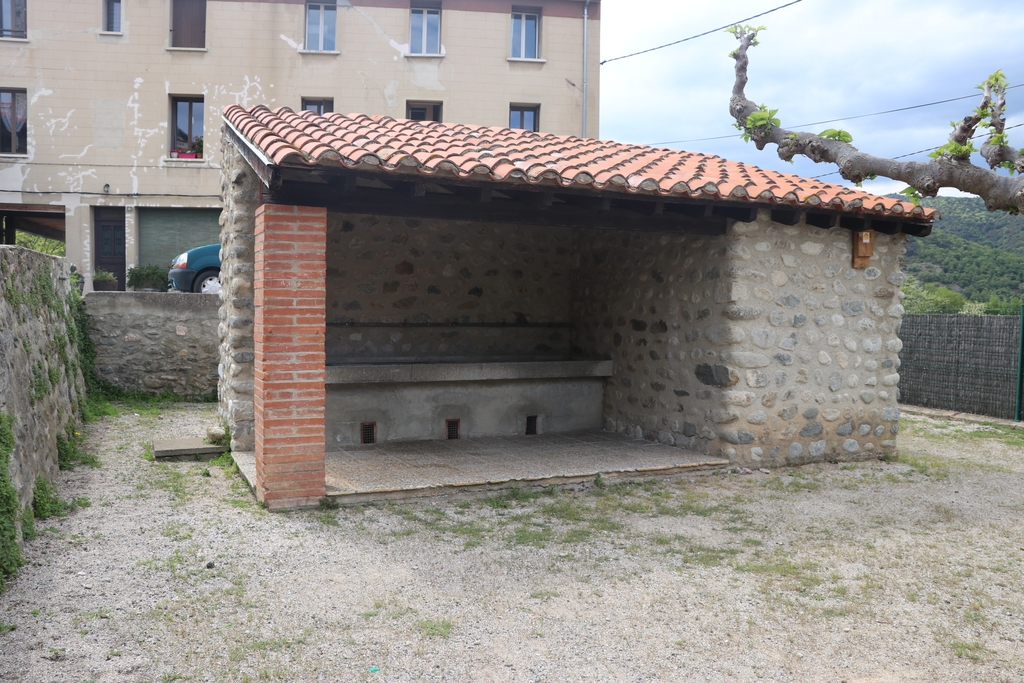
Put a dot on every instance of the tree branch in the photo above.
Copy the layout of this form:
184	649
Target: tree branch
952	168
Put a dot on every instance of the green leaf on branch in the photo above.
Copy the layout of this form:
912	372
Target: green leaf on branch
761	122
996	81
954	150
912	195
836	134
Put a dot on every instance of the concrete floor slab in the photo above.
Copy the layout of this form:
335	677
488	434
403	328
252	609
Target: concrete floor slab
413	469
426	468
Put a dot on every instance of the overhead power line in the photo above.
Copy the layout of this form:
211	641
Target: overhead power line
699	35
844	118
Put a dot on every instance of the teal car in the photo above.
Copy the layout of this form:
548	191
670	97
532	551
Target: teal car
197	270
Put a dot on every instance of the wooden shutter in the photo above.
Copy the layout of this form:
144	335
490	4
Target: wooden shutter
188	23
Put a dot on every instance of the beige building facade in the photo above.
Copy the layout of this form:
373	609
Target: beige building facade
110	109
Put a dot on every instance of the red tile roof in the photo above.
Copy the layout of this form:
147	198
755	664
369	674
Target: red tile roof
519	157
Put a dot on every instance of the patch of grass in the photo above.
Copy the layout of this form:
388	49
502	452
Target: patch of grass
776	566
176	531
794	482
328	519
705	555
271	645
441	628
544	594
172	480
70	454
511	498
531	533
226	462
576	536
925	464
964	650
4	628
604	524
378	607
147	452
45	501
565	508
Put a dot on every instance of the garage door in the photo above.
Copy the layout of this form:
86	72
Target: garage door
165	233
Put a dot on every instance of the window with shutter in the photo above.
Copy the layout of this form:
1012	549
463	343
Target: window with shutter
188	23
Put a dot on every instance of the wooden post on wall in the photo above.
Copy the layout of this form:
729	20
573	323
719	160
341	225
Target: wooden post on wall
863	248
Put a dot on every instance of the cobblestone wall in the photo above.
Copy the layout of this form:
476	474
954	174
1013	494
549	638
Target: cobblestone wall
155	341
40	379
396	270
763	345
240	197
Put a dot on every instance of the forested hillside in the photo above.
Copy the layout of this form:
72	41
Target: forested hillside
971	250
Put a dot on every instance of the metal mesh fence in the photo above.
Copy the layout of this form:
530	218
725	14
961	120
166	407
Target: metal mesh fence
966	363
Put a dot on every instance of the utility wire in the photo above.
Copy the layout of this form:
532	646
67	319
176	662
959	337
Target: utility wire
700	35
845	118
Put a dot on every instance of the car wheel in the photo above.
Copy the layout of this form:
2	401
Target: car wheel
207	282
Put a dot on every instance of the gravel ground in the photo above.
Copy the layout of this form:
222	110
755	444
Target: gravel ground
900	571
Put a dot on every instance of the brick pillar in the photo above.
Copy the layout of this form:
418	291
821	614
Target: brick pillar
288	331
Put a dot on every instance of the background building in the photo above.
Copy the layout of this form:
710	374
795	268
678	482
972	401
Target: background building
109	109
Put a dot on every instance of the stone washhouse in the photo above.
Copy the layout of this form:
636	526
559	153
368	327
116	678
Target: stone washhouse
391	281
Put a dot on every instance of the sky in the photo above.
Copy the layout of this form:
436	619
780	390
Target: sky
817	60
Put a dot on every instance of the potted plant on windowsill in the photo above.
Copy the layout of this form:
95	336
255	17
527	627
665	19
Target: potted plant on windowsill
104	281
151	278
199	147
185	154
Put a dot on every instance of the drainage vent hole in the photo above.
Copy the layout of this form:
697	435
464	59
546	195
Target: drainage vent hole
531	424
452	428
369	432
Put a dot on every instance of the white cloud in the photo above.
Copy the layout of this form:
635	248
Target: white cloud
817	61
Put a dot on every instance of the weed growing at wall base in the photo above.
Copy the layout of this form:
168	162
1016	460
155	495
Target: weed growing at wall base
10	551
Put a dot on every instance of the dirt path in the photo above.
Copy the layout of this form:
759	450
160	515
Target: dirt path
904	571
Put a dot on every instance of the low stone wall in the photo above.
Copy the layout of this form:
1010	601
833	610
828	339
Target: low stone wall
40	379
156	341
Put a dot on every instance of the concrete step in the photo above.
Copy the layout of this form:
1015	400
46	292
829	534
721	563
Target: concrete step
185	449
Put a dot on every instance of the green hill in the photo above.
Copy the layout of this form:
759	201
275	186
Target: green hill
968	218
977	270
971	250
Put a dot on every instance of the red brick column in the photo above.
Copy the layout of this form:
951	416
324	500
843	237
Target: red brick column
288	391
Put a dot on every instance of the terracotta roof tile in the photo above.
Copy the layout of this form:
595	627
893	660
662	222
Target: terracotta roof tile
518	157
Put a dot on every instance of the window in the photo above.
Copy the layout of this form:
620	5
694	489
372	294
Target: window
524	35
12	19
188	23
187	123
112	16
13	115
423	111
320	26
323	105
524	116
451	428
425	32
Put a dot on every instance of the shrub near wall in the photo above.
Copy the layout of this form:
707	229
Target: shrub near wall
41	385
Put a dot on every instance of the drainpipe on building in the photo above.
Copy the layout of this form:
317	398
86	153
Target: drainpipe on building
586	5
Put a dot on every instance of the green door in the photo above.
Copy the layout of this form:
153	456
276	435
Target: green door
165	233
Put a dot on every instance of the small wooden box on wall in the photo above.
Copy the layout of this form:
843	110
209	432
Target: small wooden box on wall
863	248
